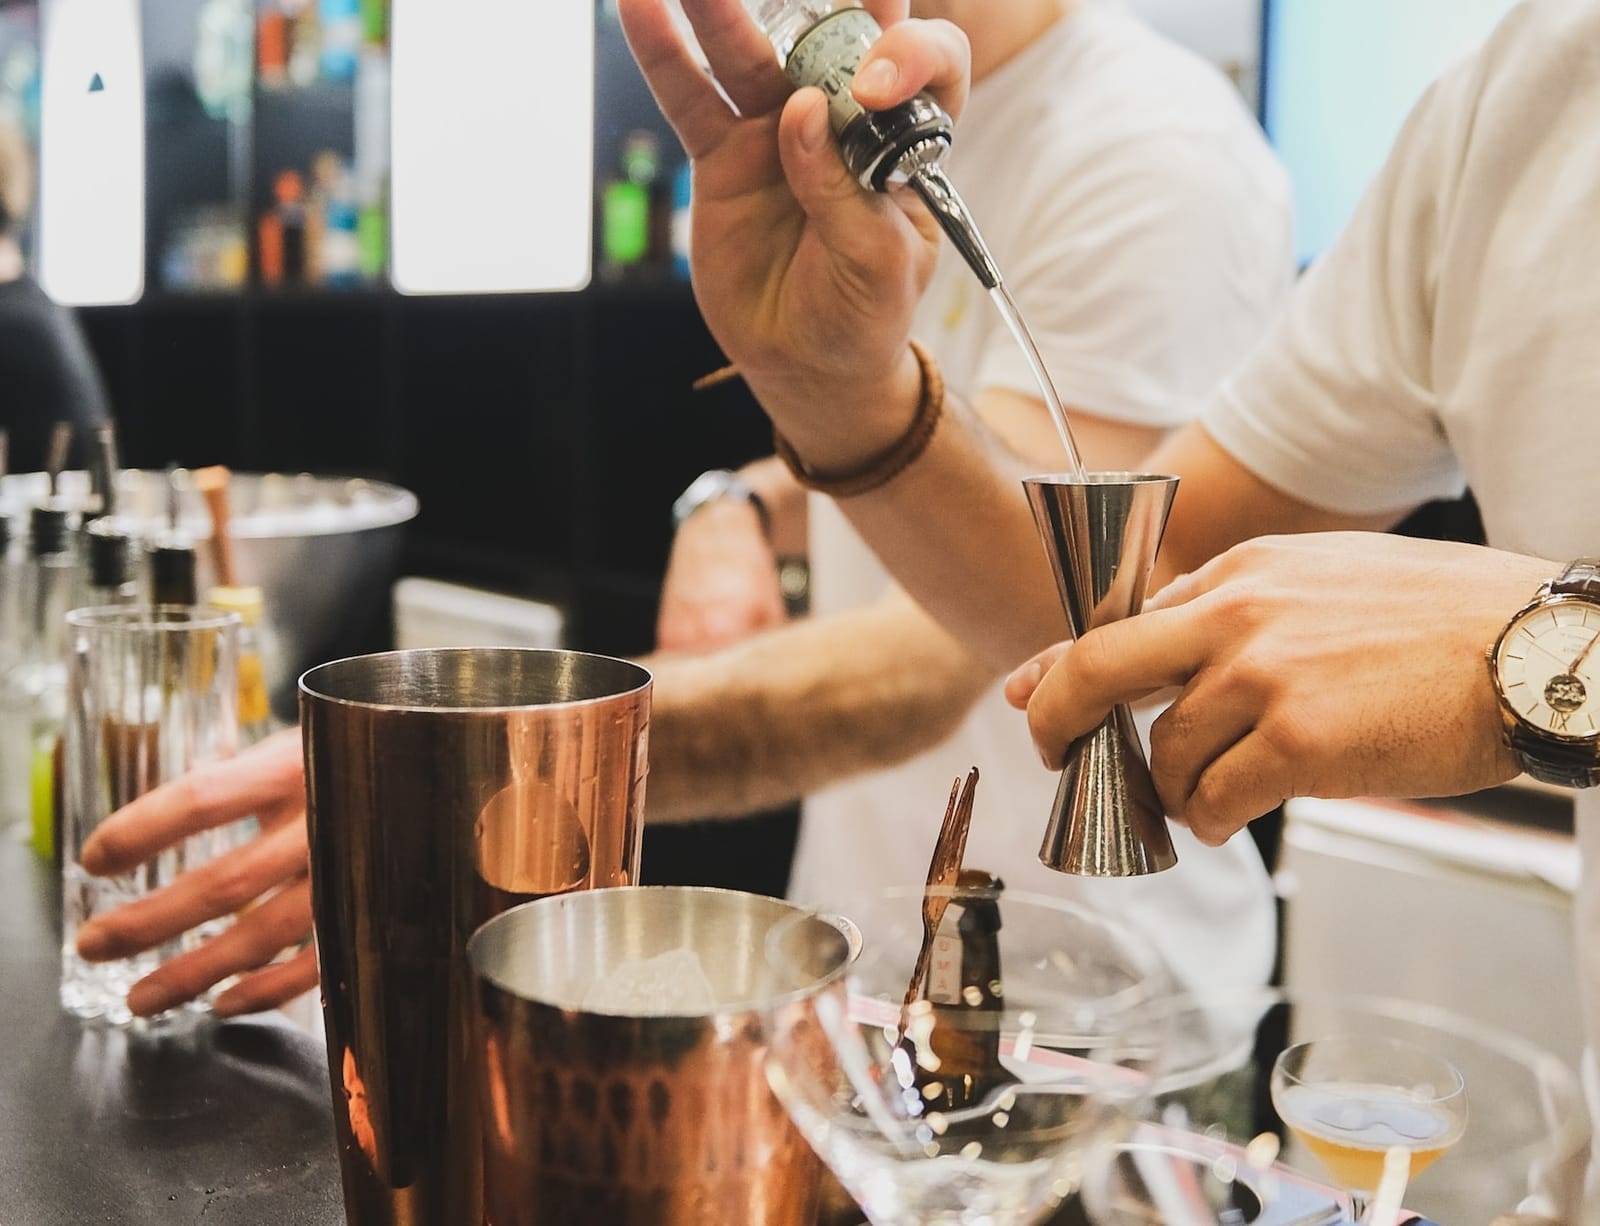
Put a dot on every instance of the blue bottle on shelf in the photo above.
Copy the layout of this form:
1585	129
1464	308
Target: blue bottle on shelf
681	193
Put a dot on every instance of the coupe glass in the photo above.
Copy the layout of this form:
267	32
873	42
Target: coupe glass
1240	1124
1350	1099
870	1090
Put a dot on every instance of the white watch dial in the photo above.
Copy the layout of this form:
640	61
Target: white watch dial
1549	668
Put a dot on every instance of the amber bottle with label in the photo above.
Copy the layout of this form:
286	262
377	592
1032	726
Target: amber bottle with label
966	989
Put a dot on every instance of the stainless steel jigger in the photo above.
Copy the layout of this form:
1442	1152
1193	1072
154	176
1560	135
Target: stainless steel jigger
1101	532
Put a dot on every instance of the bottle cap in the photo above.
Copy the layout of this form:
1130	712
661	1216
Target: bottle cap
641	158
248	602
50	527
110	555
172	572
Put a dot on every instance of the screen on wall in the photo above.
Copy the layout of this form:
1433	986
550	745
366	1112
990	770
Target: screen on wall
1339	79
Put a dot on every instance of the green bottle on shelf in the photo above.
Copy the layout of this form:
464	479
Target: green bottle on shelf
625	208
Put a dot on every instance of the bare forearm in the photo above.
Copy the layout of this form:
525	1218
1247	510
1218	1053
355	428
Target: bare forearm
955	527
792	710
956	530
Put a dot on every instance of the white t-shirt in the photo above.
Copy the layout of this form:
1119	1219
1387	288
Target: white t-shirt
1145	229
1449	336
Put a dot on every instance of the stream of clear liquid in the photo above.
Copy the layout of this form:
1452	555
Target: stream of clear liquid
1058	411
951	212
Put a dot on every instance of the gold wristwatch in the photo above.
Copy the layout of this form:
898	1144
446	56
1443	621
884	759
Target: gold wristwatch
1546	670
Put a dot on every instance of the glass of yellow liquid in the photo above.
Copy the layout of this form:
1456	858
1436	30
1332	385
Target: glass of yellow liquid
1354	1077
1352	1099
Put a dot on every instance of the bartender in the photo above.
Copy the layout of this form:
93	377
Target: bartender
1446	338
46	372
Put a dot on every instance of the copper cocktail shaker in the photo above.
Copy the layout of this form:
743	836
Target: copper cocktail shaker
653	1111
444	786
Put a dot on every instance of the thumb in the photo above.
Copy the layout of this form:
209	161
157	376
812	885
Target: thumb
1021	684
846	216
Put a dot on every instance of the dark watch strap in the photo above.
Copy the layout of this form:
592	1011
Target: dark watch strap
1582	578
1565	765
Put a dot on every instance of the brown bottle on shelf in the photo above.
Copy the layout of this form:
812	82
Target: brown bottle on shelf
269	248
289	191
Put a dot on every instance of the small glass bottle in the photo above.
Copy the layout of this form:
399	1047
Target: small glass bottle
822	43
256	656
255	659
34	695
966	989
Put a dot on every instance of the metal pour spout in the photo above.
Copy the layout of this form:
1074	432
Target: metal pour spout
950	211
1101	534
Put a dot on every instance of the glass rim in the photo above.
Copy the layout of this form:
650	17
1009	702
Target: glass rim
538	908
1155	985
1459	1086
312	685
1098	478
161	618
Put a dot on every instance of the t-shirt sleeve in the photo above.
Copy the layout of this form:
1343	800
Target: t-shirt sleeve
1338	407
1144	273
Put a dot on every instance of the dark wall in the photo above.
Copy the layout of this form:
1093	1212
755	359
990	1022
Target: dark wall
546	436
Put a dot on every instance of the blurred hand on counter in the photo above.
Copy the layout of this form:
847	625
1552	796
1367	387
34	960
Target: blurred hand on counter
264	883
1330	664
722	581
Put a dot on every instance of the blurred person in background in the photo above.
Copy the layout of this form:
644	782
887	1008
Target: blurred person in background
1144	228
1445	339
47	374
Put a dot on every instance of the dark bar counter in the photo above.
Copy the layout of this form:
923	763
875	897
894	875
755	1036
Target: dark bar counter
228	1125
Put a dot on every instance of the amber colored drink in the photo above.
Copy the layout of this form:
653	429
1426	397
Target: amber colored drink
1350	1127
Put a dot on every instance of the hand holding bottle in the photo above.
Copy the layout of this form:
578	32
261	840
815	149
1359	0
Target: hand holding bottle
807	280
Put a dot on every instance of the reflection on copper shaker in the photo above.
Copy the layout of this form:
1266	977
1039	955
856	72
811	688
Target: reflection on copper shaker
530	838
442	786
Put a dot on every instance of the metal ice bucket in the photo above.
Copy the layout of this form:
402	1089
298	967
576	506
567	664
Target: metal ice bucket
662	1118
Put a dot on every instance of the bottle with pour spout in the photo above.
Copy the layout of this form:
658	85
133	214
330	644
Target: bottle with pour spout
822	43
33	694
